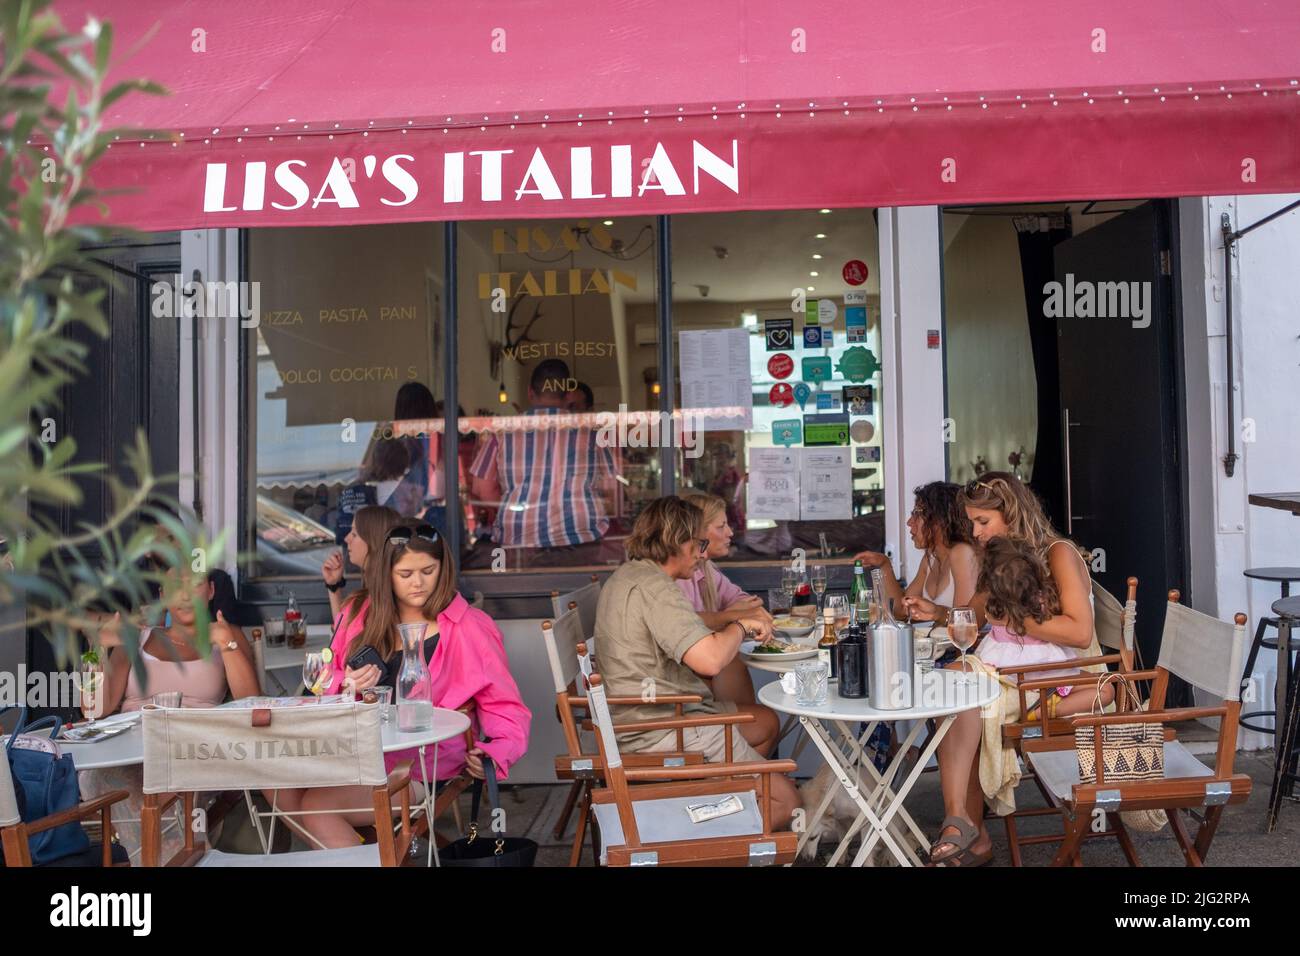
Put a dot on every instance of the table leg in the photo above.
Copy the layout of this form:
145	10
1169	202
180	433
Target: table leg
841	765
895	805
1280	685
810	823
882	791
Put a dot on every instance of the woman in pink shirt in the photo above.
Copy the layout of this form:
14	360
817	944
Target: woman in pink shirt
413	579
717	600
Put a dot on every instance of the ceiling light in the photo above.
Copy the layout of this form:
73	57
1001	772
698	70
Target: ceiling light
813	274
812	288
817	255
825	212
609	222
820	235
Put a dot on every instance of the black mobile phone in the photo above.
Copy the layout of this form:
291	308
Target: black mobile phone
367	655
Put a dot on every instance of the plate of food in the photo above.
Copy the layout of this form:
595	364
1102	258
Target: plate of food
775	649
791	626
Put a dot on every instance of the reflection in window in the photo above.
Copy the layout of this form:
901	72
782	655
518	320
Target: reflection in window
548	362
347	345
776	323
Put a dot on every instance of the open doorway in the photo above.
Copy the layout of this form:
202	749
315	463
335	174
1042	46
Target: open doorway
1061	367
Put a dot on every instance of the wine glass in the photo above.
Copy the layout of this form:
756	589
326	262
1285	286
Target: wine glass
313	667
963	630
819	584
839	607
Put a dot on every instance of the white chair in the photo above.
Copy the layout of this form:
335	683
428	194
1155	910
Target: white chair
585	598
1208	654
316	745
648	825
567	654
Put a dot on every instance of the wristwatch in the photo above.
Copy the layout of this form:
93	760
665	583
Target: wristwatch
336	585
230	645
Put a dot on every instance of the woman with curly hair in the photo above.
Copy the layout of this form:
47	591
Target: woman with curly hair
940	528
1035	588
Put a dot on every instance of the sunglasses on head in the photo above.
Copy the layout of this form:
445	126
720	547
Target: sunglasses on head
975	484
401	536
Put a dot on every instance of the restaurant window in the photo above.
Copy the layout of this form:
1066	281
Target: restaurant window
348	343
553	367
776	329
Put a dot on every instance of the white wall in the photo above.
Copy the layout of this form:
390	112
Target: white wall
992	390
1266	374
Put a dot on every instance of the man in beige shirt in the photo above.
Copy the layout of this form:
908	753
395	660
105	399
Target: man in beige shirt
651	642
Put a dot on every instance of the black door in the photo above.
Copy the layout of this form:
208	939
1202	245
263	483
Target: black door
1119	403
131	382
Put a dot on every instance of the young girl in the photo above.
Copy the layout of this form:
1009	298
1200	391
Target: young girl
412	579
1019	588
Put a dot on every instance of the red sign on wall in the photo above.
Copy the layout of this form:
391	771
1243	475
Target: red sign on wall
781	394
780	365
855	272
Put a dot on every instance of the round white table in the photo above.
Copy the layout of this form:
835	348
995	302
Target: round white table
940	695
127	748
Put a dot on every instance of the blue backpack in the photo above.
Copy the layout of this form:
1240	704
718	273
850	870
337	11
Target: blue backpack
45	783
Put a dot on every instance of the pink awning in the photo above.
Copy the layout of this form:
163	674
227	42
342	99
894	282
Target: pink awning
317	112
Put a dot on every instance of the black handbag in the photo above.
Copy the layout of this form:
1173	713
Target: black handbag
487	849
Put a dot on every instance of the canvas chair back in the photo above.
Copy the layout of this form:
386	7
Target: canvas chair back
314	745
586	598
1114	622
562	637
1202	650
604	723
9	815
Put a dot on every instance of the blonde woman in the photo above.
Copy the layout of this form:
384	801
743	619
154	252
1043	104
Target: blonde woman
1000	506
718	601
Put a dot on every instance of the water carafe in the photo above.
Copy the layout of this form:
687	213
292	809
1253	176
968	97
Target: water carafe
414	703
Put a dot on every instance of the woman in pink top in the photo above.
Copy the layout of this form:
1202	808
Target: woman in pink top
411	580
717	600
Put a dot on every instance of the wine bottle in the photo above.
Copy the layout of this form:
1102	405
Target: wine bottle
826	647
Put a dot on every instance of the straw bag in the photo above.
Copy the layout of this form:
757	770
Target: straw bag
1129	752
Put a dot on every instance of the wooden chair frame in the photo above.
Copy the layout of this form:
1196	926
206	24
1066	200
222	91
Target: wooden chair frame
1015	733
586	768
1210	793
14	837
704	780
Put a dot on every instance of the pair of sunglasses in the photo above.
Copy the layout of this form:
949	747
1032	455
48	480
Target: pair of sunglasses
402	536
975	484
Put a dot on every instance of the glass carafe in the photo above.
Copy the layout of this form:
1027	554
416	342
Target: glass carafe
414	701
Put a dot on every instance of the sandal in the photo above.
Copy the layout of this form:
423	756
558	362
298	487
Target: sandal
966	835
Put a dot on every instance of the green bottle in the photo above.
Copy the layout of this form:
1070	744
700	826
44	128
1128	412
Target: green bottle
860	594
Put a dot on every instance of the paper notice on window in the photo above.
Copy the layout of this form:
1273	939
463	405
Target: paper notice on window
826	484
716	382
772	490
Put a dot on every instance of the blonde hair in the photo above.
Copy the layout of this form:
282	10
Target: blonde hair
711	506
1020	508
662	528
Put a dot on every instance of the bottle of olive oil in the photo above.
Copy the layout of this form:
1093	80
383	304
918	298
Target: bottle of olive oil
826	647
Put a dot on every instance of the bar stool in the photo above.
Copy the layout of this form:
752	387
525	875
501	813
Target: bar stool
1288	747
1284	576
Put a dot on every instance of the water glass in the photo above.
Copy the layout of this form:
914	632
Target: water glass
839	608
381	695
779	601
811	680
923	651
170	698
